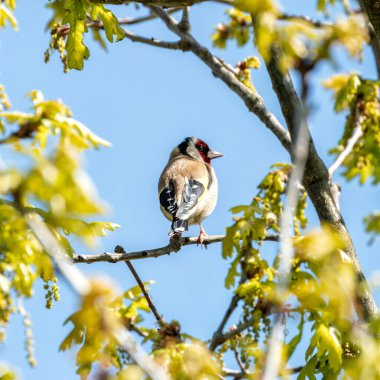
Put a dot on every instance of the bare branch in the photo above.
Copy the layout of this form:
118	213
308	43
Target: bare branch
160	3
223	337
185	20
119	249
154	42
236	374
150	253
149	17
356	134
239	362
252	100
218	334
305	19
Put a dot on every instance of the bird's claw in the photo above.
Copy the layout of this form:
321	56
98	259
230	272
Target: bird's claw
202	235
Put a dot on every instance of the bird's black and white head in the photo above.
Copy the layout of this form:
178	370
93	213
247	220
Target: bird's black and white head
197	149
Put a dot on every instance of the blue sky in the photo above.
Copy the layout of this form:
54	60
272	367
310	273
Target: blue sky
145	100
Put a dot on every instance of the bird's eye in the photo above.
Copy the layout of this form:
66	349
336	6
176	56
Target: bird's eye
202	148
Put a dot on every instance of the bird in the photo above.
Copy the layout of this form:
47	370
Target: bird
188	187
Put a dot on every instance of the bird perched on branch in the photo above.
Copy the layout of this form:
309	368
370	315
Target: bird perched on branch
188	187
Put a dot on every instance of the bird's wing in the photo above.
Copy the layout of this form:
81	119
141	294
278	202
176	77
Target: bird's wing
168	199
192	191
180	208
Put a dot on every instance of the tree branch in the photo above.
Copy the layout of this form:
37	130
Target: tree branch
220	338
372	9
138	20
252	100
374	39
150	253
158	3
176	45
157	315
316	181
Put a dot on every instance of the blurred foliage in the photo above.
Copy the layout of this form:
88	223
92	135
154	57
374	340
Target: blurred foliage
360	97
7	8
298	38
48	181
6	373
318	306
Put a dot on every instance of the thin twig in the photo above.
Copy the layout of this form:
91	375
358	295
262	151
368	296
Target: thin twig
138	20
119	249
306	19
236	374
218	334
223	337
356	134
239	362
150	253
173	45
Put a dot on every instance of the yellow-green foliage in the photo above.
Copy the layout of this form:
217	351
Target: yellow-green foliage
360	97
298	39
69	24
50	183
7	8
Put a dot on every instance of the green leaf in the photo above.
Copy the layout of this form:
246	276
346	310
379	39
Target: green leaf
110	22
77	51
308	369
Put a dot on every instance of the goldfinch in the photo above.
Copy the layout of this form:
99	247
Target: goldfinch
188	187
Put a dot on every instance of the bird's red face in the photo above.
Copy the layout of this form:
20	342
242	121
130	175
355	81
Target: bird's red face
206	153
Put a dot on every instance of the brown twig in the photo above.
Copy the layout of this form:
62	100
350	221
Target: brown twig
160	320
150	253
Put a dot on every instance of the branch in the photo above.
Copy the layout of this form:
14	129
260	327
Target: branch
239	362
316	181
119	249
356	134
223	337
218	335
305	19
150	253
372	9
240	375
154	42
159	3
374	41
252	100
138	20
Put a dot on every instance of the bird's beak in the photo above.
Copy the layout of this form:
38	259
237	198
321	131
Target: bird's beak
212	154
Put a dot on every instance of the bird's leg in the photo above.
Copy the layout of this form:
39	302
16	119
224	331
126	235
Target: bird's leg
202	234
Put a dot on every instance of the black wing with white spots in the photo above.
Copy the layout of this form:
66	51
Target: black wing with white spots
168	199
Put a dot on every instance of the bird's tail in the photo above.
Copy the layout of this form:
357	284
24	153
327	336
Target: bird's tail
179	226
